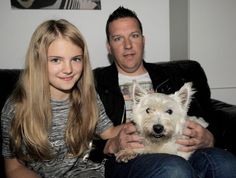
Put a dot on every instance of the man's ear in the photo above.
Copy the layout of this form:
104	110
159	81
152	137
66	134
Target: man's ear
108	47
143	40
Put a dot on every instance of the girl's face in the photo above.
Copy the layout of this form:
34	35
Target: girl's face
65	67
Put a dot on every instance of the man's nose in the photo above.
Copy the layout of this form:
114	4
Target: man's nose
128	43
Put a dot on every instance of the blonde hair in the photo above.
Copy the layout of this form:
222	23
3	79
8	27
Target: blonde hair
32	96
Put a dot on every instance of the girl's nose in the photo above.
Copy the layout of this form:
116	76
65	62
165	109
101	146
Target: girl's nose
67	68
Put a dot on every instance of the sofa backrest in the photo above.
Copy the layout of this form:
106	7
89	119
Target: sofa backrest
8	78
189	71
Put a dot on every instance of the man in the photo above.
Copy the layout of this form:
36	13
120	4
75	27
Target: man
125	43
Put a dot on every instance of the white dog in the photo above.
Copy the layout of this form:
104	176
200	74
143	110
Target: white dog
160	119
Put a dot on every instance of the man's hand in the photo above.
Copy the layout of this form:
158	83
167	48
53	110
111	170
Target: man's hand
198	137
126	138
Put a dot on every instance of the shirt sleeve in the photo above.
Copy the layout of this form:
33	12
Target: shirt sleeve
7	115
103	121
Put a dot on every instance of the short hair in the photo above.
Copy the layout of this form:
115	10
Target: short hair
119	13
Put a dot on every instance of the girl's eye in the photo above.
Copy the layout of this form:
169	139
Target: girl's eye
77	59
55	60
169	111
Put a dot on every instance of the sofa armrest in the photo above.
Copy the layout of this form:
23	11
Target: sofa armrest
224	116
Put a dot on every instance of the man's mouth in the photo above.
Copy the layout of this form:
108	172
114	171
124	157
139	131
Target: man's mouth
129	54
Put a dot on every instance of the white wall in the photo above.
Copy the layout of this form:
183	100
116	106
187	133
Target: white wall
17	27
212	41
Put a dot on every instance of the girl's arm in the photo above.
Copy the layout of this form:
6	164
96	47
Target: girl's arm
14	169
111	132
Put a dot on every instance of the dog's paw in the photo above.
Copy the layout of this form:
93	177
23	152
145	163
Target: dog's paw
185	155
125	155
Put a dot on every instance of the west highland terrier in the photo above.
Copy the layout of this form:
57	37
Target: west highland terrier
160	119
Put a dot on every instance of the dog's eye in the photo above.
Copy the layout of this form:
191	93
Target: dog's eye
169	111
148	110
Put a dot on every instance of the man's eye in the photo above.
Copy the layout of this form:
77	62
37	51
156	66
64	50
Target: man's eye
135	35
169	111
117	38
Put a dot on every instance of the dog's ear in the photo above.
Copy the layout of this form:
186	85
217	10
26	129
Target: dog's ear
138	92
185	94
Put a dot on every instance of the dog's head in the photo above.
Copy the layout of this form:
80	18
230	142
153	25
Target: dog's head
159	116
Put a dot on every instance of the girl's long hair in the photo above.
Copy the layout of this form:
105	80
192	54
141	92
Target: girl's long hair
33	115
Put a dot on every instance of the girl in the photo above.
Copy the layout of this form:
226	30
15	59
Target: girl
50	119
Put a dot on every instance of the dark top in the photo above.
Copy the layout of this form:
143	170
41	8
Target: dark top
165	79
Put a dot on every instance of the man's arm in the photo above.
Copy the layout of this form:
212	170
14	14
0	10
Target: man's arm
126	138
200	137
14	169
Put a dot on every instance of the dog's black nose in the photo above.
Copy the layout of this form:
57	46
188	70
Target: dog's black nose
158	128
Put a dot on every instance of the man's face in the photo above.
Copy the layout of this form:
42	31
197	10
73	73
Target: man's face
126	44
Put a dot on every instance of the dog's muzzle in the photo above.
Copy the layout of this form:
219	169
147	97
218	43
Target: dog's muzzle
158	130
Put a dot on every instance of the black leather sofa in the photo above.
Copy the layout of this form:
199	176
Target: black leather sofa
223	115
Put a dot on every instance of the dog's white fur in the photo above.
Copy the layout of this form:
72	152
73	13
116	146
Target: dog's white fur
160	119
